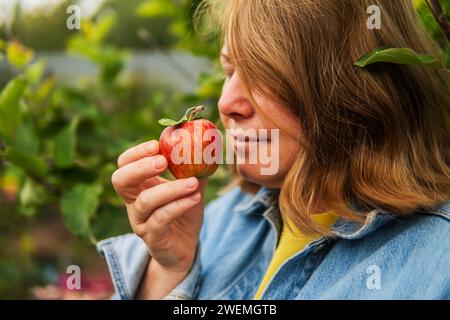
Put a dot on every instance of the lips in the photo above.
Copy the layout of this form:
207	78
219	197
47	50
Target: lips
247	143
242	138
248	139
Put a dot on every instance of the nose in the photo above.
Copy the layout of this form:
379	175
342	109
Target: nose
234	102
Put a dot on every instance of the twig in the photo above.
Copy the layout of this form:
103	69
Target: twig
47	185
439	15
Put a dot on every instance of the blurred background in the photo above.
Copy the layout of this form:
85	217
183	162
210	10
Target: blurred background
76	100
71	100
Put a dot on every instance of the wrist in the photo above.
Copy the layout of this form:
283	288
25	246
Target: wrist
160	281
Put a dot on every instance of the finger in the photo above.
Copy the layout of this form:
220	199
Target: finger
159	222
135	173
158	196
151	182
129	194
146	149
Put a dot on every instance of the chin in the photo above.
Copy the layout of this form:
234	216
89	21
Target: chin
252	173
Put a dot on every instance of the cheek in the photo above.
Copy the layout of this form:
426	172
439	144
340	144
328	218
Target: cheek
289	150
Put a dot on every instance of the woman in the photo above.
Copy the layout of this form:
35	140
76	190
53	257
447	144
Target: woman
359	206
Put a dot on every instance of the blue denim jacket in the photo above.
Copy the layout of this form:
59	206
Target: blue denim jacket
388	257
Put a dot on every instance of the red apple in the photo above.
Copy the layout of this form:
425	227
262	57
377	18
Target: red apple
191	145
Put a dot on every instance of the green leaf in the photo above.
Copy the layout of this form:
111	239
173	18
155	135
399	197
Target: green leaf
64	145
156	8
78	206
167	122
33	165
35	71
45	88
110	60
191	114
429	22
18	55
31	196
96	32
10	107
210	85
27	139
447	57
112	65
446	7
398	56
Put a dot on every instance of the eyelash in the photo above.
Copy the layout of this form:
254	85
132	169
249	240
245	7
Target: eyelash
228	73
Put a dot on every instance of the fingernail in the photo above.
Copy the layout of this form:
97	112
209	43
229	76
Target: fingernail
160	162
196	197
191	182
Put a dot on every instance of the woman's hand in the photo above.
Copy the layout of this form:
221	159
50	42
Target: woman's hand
167	215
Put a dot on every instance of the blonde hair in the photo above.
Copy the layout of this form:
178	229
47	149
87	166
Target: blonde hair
377	137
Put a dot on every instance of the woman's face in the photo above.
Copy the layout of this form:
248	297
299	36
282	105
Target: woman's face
237	112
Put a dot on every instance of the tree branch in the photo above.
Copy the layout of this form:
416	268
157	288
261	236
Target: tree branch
47	185
439	15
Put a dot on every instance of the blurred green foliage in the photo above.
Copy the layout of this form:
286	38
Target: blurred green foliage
59	143
46	29
429	22
432	27
66	140
427	11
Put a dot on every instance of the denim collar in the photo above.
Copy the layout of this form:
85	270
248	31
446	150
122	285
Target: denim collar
264	202
263	199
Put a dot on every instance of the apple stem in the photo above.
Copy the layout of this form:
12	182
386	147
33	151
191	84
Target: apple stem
193	113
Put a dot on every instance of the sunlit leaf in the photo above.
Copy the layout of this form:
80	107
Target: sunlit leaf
178	28
397	56
35	71
110	61
156	8
78	206
78	45
19	55
45	88
10	106
97	31
31	195
210	85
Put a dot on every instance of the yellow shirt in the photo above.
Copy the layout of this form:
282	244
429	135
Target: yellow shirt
291	242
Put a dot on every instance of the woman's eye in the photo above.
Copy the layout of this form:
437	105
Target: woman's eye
228	72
